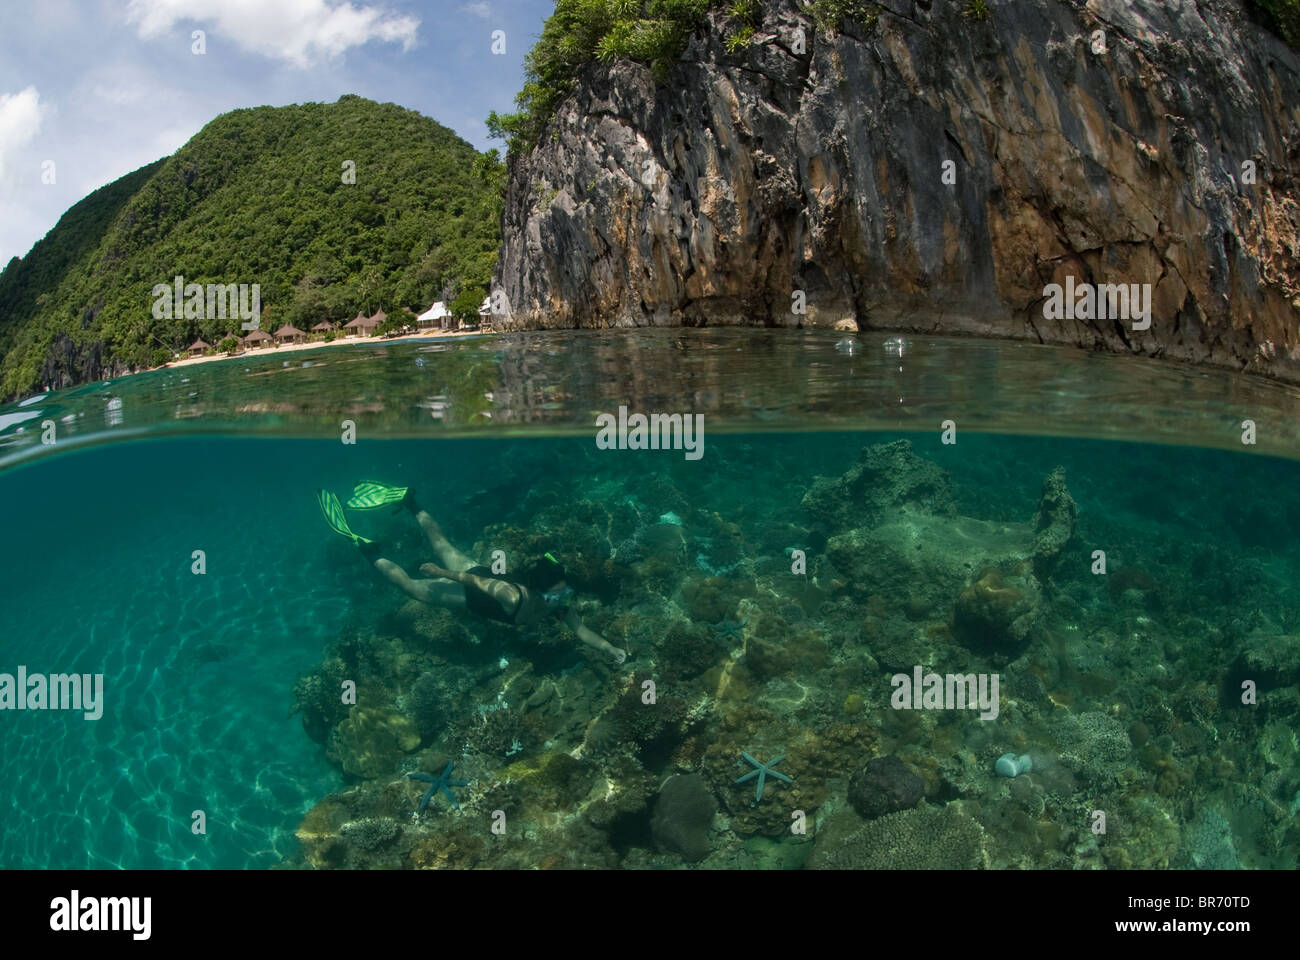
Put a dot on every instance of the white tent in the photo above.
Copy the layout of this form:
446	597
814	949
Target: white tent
436	314
485	308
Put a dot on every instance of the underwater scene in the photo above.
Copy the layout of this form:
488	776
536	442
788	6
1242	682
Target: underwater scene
865	602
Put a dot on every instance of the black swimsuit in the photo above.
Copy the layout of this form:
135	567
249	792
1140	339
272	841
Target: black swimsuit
483	603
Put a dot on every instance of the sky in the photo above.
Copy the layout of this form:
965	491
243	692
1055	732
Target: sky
93	89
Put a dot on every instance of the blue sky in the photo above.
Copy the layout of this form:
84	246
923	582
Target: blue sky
101	87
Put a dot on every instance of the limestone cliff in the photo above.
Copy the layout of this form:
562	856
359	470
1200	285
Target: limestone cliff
813	161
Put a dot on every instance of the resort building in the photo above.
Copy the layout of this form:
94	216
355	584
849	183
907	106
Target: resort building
360	326
437	315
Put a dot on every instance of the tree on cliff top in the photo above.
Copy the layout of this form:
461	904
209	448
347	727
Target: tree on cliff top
656	32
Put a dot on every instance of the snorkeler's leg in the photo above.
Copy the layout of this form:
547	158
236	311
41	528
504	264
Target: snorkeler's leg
439	593
451	558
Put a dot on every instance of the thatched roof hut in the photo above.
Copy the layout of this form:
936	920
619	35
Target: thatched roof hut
362	325
290	334
199	347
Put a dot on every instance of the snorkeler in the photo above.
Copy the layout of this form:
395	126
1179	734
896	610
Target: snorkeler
456	582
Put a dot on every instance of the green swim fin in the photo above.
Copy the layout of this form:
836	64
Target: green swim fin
334	516
369	495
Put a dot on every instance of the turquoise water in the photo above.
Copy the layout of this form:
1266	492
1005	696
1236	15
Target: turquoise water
1123	689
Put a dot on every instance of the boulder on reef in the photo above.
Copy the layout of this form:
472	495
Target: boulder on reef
370	741
884	785
886	477
683	815
997	610
1054	523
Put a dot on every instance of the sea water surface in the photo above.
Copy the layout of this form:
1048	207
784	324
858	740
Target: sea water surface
170	539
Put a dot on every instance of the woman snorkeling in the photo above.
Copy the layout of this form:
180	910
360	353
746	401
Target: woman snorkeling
456	582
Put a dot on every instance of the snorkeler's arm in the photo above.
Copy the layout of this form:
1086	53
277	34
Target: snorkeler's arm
591	638
492	586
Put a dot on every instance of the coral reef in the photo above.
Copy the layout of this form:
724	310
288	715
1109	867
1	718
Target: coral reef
923	838
1125	689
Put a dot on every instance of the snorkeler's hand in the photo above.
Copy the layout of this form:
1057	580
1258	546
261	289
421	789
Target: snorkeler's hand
619	655
433	570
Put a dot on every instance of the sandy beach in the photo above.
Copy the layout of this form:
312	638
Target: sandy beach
317	345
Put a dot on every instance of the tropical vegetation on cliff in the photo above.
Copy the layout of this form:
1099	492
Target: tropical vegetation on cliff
656	32
330	208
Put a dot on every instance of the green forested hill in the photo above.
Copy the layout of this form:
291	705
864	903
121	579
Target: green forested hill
257	196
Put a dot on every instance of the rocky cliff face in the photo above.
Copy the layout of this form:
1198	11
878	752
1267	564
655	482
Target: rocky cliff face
814	162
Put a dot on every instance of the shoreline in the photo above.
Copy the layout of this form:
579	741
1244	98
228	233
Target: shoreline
258	352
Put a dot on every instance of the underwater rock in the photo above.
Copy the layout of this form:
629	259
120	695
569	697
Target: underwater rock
884	785
714	599
371	832
319	834
683	815
1054	523
370	742
550	782
997	610
1271	660
1208	840
495	730
923	838
1278	746
631	787
1092	743
886	476
917	558
427	704
316	695
688	650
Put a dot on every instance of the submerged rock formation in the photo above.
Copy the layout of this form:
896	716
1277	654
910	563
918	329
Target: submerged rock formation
1117	141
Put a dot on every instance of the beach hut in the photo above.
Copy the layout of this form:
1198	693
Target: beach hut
199	347
323	327
360	325
289	334
436	316
378	319
258	338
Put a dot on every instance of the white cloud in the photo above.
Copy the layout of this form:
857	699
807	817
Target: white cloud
479	8
20	120
299	32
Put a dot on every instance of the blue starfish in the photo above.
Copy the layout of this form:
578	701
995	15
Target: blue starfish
441	783
729	628
763	771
